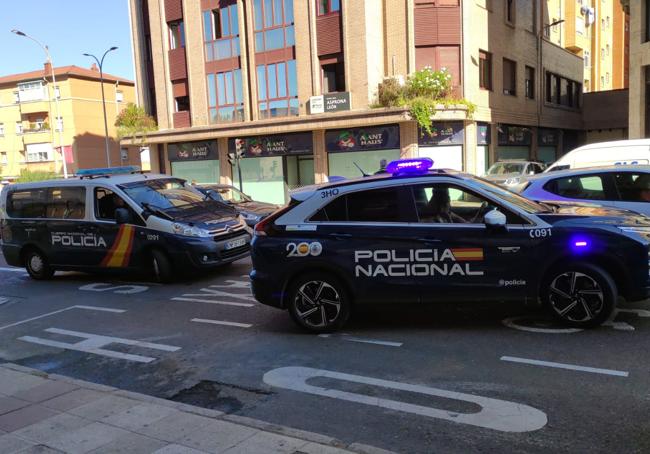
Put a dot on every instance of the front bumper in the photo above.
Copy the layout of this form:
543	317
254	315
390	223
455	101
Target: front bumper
209	252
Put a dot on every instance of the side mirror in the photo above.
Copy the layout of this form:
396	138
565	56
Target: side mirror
122	216
495	218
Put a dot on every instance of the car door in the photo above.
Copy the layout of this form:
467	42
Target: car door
458	256
368	235
633	189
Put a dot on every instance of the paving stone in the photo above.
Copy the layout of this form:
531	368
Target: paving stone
104	407
130	443
51	428
40	449
87	438
24	417
8	404
268	443
46	391
12	382
10	444
316	448
140	416
177	449
175	426
73	399
218	436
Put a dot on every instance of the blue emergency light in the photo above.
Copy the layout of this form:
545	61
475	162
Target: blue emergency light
409	166
108	171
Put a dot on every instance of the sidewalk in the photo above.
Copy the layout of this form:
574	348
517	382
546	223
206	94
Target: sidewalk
51	413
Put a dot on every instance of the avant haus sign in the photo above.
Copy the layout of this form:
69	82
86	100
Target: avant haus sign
192	151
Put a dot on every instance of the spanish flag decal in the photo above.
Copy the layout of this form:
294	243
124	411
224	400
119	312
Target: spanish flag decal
468	254
120	253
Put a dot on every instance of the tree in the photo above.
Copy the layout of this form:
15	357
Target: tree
134	123
29	176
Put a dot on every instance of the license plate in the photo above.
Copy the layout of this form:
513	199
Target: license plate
237	242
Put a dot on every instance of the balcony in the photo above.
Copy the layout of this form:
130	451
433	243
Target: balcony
37	133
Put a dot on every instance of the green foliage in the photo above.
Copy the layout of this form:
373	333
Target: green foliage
425	92
30	176
134	123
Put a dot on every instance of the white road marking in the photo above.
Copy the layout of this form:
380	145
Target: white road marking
593	370
209	292
13	270
362	340
234	284
512	322
90	308
93	343
3	300
221	322
120	289
495	414
225	303
639	312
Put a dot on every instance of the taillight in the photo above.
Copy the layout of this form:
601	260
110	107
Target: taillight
265	226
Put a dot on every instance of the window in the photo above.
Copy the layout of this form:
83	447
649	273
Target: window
119	96
633	187
530	82
39	152
182	103
587	58
53	203
607	22
273	24
2	129
277	89
106	202
333	77
59	123
509	77
588	187
176	34
602	81
510	11
19	127
607	49
225	98
485	70
57	92
377	205
27	204
647	20
335	211
607	78
602	53
221	33
561	91
30	91
16	97
4	160
328	6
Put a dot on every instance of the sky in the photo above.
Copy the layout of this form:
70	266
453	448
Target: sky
69	28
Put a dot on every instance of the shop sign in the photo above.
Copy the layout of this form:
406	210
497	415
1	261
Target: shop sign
483	134
192	151
548	137
514	135
274	145
443	133
330	102
360	139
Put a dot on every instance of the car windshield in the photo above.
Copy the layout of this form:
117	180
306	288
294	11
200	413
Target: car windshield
502	168
515	199
230	194
163	194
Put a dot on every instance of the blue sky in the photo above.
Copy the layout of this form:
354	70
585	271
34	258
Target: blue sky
69	28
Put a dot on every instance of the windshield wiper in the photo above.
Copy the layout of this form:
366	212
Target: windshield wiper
155	210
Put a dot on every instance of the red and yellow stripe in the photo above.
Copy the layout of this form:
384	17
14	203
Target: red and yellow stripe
468	254
120	253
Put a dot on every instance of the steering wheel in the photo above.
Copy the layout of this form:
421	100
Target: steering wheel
481	212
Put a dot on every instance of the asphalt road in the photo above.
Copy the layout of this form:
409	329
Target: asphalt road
408	379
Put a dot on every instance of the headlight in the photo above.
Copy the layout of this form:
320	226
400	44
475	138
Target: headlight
511	181
250	217
188	230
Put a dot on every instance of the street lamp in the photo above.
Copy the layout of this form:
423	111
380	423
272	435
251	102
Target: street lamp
101	81
56	98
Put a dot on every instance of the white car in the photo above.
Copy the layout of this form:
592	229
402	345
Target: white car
619	152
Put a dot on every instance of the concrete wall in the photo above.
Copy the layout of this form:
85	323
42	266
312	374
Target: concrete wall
639	59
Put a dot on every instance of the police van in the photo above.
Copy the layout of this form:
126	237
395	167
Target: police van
117	218
417	235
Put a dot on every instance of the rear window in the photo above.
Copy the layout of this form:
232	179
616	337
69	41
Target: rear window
584	187
48	203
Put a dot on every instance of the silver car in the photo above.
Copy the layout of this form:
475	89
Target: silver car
626	187
511	172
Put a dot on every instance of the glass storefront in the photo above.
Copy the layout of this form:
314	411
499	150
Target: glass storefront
368	148
444	145
483	137
196	162
548	141
514	142
271	166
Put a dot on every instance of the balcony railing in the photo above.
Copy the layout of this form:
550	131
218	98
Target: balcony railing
35	128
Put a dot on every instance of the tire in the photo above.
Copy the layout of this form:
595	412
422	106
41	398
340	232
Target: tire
37	265
579	295
318	302
163	271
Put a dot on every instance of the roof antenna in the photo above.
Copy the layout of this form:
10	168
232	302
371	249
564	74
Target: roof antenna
360	169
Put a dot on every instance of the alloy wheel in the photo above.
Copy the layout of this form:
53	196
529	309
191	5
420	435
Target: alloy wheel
317	304
36	263
576	296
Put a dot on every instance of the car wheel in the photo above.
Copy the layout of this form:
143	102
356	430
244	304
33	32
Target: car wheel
161	267
580	295
37	265
318	302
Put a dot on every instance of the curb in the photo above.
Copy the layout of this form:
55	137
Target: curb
312	437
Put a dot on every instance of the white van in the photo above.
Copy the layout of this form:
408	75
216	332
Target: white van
620	152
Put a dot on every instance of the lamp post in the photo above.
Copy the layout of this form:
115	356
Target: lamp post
56	98
101	81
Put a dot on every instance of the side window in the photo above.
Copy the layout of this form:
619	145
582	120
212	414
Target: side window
449	204
27	204
106	202
633	187
335	211
376	205
66	203
587	187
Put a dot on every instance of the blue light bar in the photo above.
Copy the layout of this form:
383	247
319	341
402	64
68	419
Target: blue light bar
107	171
409	166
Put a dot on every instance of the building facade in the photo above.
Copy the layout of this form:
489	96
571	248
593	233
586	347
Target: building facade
29	125
291	85
639	11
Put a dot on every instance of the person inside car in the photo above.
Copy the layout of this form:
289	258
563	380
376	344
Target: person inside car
440	209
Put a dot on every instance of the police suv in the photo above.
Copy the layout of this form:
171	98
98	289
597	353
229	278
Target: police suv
416	235
117	218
